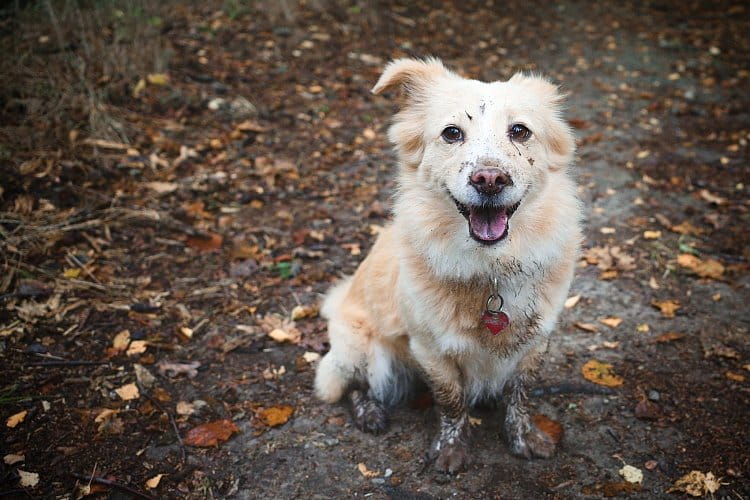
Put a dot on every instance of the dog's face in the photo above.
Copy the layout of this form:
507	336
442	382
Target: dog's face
487	148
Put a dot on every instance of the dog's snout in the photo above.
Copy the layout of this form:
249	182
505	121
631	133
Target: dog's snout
489	180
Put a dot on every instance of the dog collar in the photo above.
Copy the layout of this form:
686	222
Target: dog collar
493	317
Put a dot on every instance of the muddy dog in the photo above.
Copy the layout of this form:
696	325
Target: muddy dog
464	287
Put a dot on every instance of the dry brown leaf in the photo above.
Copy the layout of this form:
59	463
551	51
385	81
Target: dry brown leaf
213	242
652	235
572	301
697	484
712	198
735	376
154	481
601	373
474	422
162	187
709	268
280	329
669	337
128	392
185	408
550	427
612	321
275	415
302	312
16	419
11	459
586	327
687	228
211	434
667	307
121	340
137	347
369	474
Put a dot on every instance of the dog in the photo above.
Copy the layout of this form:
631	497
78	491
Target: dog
463	289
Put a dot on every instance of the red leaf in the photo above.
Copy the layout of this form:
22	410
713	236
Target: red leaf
211	434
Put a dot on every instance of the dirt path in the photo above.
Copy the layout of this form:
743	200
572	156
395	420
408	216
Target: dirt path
297	187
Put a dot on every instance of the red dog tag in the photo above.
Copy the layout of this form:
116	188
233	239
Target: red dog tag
495	321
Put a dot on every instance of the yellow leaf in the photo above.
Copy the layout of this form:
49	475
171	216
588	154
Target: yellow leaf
16	419
302	312
612	322
154	481
643	328
587	327
601	373
652	235
475	421
128	392
139	87
709	268
158	79
275	415
735	376
105	414
669	337
71	273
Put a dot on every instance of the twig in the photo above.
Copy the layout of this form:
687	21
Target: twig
113	484
171	420
66	363
570	388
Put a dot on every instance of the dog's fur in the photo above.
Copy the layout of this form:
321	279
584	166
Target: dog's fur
413	308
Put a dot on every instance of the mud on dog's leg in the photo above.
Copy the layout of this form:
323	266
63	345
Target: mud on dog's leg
450	448
369	414
524	438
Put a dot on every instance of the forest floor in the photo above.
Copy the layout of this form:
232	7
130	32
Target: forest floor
155	256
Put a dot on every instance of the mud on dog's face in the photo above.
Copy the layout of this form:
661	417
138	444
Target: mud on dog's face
487	148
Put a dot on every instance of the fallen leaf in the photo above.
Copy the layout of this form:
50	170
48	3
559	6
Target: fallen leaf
697	484
121	340
612	321
687	228
572	301
185	408
280	329
160	79
631	474
550	427
643	328
302	312
105	414
211	433
586	327
652	235
711	198
653	283
16	419
27	479
139	88
11	459
667	307
311	356
367	472
128	392
71	273
275	415
473	421
601	373
137	347
669	337
709	268
213	242
735	376
154	481
280	336
162	187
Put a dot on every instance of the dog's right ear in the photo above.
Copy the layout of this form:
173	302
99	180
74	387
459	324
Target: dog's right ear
412	75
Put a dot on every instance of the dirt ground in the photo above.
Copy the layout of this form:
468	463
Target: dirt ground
258	173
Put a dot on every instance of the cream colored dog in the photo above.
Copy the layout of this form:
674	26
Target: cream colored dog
464	288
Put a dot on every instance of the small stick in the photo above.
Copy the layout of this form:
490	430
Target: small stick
570	388
66	363
113	484
171	420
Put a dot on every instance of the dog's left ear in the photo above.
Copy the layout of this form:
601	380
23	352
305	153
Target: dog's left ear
558	134
412	75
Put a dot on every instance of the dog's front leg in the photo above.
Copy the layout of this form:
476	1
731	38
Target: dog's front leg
524	438
450	448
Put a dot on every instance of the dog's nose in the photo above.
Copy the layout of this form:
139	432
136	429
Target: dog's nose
489	180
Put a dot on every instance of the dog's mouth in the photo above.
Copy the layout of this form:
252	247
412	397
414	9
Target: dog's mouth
488	224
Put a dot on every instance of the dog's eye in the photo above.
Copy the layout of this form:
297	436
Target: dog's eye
519	132
452	134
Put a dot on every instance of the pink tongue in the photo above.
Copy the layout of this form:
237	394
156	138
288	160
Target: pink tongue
487	224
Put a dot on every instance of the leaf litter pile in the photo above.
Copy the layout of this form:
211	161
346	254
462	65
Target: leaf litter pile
164	249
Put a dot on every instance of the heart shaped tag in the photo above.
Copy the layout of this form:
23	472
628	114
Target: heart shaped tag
495	321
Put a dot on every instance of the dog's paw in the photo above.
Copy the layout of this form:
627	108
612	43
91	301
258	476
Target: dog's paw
452	458
533	444
368	414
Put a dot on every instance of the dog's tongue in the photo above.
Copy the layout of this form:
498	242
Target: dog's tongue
488	223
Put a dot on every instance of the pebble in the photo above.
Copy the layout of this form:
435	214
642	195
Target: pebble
654	395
